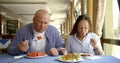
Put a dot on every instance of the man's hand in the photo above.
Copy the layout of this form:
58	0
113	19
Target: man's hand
23	46
63	51
54	52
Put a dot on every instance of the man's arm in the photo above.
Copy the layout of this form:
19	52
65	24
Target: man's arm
12	48
54	39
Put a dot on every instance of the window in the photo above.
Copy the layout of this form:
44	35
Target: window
116	19
112	16
112	27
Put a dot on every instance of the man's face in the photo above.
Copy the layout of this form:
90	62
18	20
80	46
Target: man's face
41	23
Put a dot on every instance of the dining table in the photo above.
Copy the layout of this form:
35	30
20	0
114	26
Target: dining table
5	58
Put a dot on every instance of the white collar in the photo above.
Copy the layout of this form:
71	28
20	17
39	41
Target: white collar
38	33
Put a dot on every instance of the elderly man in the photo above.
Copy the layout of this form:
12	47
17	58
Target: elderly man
37	36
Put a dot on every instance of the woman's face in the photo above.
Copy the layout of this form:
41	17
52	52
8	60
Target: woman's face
83	27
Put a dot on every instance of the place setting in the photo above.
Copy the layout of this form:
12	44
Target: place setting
29	55
73	57
76	57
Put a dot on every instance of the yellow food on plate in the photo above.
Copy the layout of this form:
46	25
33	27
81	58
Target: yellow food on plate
71	57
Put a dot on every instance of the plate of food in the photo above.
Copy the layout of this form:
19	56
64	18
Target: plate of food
72	57
36	54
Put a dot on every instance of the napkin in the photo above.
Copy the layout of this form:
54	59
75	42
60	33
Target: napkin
92	57
17	57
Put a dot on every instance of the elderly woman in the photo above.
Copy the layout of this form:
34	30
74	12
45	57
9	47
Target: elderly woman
81	40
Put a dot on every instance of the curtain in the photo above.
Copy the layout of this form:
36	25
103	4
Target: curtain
98	16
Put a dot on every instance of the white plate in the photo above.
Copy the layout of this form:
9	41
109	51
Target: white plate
36	56
69	60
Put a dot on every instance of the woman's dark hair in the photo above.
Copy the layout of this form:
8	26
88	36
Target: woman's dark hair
80	18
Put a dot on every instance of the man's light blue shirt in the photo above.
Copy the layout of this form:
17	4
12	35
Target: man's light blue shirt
27	33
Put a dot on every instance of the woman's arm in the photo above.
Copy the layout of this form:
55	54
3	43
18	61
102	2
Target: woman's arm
97	48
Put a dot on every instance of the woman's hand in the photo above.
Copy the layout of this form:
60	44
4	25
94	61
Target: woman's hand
93	43
95	47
